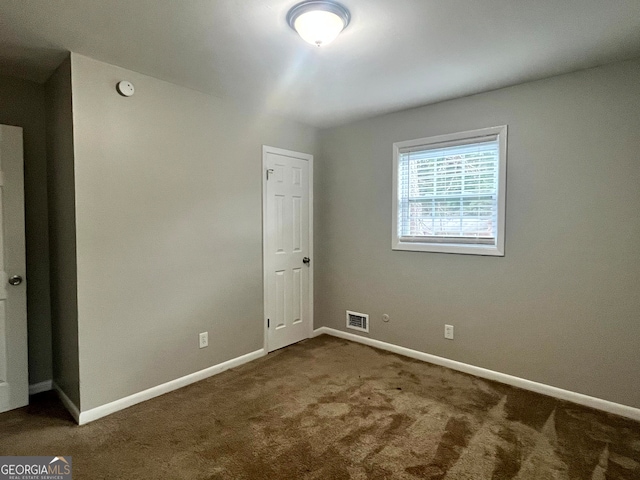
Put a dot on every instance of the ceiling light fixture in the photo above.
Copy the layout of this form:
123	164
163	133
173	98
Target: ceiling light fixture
318	22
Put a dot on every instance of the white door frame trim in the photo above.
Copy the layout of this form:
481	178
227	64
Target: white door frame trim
309	158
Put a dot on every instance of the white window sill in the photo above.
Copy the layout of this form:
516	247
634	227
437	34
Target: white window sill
465	249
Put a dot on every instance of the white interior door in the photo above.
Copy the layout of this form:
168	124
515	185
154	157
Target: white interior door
287	227
14	379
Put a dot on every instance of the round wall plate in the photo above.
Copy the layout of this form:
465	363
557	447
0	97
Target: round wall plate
125	88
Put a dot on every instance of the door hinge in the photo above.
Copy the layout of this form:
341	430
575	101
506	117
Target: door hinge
269	171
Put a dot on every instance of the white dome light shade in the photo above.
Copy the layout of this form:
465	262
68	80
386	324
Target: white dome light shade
318	22
318	27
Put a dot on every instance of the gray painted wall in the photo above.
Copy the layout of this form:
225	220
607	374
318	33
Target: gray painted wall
169	231
562	306
62	231
22	103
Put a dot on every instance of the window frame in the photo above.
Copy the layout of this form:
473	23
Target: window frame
500	132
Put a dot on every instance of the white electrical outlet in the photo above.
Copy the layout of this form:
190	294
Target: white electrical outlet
448	332
204	339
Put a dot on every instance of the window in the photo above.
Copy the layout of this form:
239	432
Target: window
449	193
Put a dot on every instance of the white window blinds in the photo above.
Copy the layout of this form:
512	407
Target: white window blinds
448	192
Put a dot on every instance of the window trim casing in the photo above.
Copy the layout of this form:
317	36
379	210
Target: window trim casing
459	248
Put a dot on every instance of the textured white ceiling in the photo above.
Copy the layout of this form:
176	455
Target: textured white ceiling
394	54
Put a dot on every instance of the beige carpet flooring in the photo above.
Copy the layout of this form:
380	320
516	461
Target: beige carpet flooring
331	409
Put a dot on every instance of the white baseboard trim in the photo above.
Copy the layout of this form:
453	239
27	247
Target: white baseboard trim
579	398
117	405
66	401
40	387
